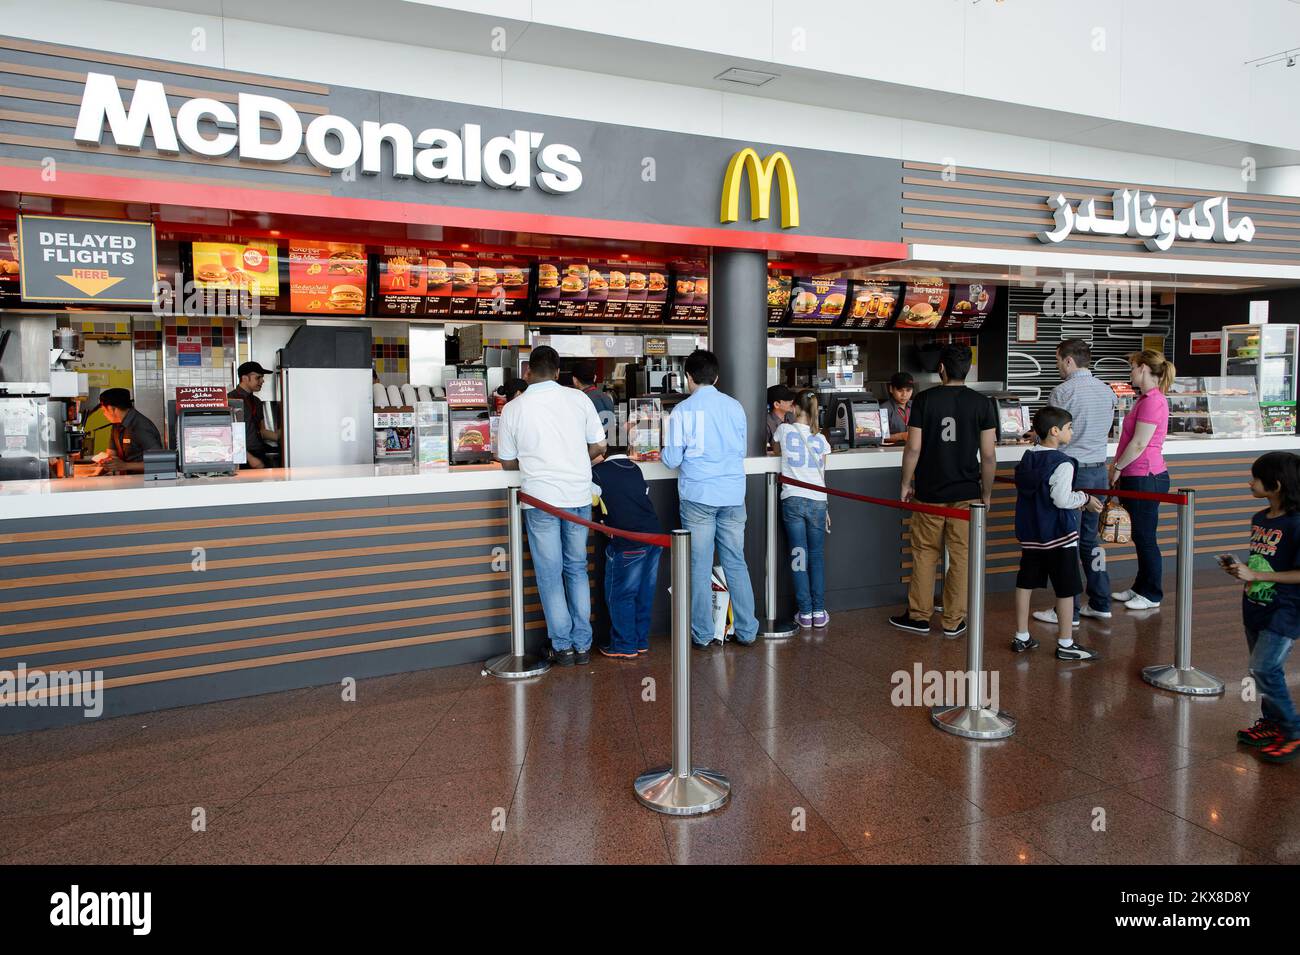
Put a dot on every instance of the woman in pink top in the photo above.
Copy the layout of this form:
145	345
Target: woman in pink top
1140	466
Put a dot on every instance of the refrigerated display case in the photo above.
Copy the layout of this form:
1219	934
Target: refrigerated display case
1268	354
1218	407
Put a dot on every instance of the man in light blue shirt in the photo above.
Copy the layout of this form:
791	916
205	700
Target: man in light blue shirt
705	441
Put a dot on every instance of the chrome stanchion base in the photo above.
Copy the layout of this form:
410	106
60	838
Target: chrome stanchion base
1191	681
778	630
511	667
973	723
700	792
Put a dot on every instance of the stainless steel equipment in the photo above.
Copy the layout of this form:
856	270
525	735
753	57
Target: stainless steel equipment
325	373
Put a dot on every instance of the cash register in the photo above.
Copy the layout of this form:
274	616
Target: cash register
855	415
1013	418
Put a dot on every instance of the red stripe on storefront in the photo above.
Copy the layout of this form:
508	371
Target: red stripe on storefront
159	192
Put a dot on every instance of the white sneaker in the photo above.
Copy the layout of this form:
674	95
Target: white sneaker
1140	603
1086	611
1124	596
1049	616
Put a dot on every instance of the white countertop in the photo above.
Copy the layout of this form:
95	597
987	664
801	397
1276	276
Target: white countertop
101	495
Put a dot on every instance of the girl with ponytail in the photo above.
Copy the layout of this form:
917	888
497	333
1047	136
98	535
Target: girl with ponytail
1270	605
1139	465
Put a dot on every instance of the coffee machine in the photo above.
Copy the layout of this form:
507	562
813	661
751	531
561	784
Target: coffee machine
39	417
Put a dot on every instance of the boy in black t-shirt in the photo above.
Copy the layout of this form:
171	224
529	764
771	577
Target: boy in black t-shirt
1270	606
622	499
951	445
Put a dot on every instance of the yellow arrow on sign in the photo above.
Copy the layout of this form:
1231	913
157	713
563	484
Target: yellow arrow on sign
91	285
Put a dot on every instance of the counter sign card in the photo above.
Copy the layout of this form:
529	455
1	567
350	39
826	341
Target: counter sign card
86	260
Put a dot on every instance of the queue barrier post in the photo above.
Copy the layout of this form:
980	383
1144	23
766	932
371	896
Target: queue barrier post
976	719
681	789
772	629
517	664
1181	676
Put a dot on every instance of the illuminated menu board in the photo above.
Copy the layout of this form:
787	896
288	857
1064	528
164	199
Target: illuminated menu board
327	278
778	297
419	282
969	306
923	304
816	303
582	290
872	305
690	295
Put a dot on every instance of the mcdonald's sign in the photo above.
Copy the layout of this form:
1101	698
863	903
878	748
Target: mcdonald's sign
760	187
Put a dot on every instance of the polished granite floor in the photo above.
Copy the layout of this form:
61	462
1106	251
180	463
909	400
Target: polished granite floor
449	766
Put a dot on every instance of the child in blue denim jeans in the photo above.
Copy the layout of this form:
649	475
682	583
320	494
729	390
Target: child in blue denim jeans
1270	606
803	450
622	500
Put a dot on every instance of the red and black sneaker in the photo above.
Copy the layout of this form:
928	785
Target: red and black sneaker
1281	751
1261	734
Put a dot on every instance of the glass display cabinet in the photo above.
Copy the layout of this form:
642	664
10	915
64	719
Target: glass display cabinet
1268	354
1222	407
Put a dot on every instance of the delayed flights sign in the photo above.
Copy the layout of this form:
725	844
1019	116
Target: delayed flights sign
86	260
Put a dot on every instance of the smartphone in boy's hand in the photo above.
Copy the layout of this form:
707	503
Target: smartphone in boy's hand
1227	560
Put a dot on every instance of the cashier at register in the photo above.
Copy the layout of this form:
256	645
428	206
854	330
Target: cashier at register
256	433
899	405
132	435
780	402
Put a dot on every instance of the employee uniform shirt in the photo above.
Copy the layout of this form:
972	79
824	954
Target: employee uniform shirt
899	415
951	419
547	429
624	500
134	436
704	440
254	420
1274	548
1152	408
1091	404
803	457
774	422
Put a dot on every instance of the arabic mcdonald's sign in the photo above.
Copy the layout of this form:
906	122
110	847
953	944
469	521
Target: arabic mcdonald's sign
760	187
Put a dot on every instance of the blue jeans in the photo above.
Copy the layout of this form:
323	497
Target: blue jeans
1268	651
1145	514
630	577
725	528
559	550
805	532
1090	550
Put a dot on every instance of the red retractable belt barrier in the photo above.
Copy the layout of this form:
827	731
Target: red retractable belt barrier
952	512
658	540
1117	492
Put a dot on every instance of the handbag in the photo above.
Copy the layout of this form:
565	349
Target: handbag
1116	524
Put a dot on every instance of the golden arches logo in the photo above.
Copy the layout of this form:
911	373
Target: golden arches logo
760	187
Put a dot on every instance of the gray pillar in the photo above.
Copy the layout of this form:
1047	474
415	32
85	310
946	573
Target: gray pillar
738	333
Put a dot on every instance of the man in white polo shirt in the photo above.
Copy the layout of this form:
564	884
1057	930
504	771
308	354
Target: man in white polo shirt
551	434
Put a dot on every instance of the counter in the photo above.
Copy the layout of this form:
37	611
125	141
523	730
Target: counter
187	591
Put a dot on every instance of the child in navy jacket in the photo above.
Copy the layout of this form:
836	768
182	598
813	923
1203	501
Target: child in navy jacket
1047	527
622	500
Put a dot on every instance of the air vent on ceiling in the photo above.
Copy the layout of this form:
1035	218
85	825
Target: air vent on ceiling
747	77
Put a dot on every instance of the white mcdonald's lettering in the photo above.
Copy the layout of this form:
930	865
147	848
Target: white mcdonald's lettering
332	142
1134	214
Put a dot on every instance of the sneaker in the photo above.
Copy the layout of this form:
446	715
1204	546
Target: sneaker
643	650
1262	733
563	658
1124	596
706	646
1280	751
905	621
1049	616
618	656
938	608
582	657
956	631
1141	603
1086	611
804	619
820	618
1076	651
1020	646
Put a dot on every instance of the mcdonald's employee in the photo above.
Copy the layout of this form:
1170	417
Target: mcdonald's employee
899	405
133	434
256	433
780	402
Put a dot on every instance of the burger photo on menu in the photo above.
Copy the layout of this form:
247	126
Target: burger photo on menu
548	275
224	266
327	277
924	301
817	302
502	287
463	277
